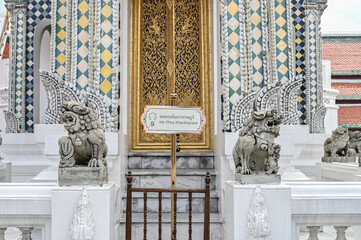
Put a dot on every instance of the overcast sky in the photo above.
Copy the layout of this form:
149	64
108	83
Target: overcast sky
340	16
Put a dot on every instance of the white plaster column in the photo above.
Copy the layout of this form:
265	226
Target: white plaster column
329	98
277	200
102	200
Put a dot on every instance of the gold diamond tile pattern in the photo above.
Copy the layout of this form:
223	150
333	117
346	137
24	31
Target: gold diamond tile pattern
281	41
106	48
298	20
257	58
60	50
83	45
233	51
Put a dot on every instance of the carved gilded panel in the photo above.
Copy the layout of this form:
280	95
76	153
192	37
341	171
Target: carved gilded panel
170	52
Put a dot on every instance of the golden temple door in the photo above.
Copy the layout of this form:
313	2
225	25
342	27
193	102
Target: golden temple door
170	51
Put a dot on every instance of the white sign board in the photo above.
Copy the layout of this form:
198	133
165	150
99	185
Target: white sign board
173	120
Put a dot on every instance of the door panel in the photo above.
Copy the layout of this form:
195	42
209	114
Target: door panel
170	52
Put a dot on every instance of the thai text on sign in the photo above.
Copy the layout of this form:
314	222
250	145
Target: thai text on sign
173	120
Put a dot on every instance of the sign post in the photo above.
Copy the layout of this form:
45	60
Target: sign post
173	100
173	120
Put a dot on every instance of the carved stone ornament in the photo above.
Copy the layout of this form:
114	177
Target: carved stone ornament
336	147
83	225
318	121
258	225
83	152
355	141
255	152
60	92
279	96
12	122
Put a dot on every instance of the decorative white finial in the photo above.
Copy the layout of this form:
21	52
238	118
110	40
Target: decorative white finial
258	222
83	225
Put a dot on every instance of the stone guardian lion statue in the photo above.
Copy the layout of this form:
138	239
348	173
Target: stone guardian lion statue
338	144
255	149
85	145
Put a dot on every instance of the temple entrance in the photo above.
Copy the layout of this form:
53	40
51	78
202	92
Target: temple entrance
170	52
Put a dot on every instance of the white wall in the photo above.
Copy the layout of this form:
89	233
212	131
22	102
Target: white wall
44	65
4	82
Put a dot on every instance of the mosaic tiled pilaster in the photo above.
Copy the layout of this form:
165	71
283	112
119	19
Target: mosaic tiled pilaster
313	12
312	60
17	69
82	42
86	49
233	32
257	36
106	48
298	19
60	39
282	41
37	10
257	49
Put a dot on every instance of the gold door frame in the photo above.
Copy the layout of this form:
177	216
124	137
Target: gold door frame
205	78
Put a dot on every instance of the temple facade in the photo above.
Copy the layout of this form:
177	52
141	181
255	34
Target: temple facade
229	57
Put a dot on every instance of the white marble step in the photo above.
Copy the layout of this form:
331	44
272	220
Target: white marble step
162	160
161	178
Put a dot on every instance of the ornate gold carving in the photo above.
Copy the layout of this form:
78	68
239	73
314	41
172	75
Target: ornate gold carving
170	51
170	4
170	67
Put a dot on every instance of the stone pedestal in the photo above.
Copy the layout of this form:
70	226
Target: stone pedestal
65	201
97	176
339	159
259	178
277	199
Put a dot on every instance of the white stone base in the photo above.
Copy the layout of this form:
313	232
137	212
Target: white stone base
338	172
238	197
65	201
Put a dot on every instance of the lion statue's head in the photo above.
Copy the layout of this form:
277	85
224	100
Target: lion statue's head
78	118
355	136
267	120
340	133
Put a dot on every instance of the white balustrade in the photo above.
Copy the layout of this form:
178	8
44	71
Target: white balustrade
2	233
26	233
313	232
25	206
341	232
317	204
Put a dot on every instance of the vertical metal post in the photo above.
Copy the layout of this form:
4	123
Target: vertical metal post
128	225
173	98
207	207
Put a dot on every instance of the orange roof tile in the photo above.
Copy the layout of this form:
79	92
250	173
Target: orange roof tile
6	51
349	89
349	114
345	57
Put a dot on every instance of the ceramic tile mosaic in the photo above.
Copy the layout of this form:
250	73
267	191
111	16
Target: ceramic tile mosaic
37	11
20	65
281	41
298	20
256	33
60	50
233	51
312	59
82	61
106	48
